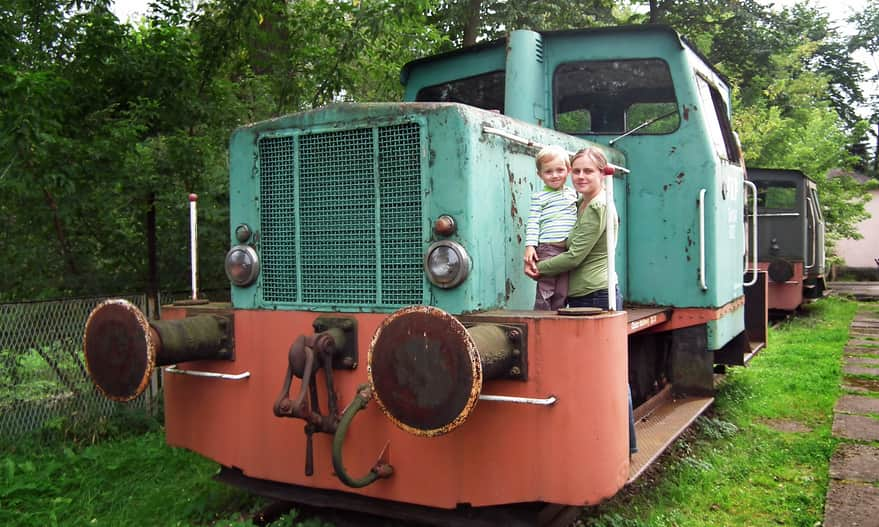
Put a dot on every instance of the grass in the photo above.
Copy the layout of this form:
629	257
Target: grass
116	473
739	467
761	457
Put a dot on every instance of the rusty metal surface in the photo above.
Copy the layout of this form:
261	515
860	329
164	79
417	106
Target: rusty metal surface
120	349
641	318
200	337
425	370
500	350
657	430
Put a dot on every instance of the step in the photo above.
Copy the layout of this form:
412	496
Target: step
754	347
657	430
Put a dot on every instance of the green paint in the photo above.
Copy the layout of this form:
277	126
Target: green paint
367	253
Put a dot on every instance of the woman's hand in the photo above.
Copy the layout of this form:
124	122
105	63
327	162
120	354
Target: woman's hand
531	270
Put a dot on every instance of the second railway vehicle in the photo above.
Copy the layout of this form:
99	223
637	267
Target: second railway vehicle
790	237
380	352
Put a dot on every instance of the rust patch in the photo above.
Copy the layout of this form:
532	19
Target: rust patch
120	349
679	178
686	113
514	209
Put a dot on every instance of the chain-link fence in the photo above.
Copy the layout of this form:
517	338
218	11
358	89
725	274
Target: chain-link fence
42	368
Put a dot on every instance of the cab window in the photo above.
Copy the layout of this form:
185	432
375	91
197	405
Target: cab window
615	96
484	91
717	121
777	196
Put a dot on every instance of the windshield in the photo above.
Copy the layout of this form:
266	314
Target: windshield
614	96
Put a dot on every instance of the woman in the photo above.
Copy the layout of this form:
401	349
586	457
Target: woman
586	255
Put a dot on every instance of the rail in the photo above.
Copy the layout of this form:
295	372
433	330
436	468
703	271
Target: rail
702	282
813	224
211	374
547	401
754	269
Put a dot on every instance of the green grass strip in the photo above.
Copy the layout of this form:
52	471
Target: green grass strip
761	457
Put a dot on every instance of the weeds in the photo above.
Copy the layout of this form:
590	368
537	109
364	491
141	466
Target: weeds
736	470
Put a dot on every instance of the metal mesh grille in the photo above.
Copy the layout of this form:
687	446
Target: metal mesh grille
343	227
400	183
42	368
278	217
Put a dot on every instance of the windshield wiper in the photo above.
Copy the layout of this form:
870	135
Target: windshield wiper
642	125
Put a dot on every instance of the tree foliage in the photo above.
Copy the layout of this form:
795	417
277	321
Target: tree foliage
107	127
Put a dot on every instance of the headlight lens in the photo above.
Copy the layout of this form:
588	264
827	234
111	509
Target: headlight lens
446	263
242	265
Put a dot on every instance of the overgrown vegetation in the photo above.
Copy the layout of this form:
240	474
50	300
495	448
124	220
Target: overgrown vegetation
761	457
116	472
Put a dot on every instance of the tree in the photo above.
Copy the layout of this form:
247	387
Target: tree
467	21
108	127
793	126
867	38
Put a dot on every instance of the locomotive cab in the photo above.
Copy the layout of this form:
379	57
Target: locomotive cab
376	255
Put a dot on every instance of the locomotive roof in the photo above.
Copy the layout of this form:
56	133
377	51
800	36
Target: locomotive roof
641	28
756	172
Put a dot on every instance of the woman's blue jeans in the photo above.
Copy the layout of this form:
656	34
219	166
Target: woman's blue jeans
596	299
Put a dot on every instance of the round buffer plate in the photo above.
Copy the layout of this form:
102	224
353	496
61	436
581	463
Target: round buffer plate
119	349
425	370
780	270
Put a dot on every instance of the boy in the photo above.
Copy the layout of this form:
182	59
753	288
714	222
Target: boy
552	213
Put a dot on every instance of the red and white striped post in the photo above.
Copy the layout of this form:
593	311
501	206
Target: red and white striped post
193	243
610	230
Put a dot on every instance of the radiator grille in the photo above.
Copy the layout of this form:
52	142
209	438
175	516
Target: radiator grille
341	217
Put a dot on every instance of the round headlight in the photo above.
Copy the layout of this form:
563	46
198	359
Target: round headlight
242	265
446	263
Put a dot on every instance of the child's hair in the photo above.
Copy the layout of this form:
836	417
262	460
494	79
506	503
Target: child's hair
593	154
552	152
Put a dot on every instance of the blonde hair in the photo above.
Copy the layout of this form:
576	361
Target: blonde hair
593	154
552	152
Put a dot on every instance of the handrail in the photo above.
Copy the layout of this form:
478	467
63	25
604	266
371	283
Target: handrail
534	144
211	374
754	269
811	219
546	401
610	237
702	283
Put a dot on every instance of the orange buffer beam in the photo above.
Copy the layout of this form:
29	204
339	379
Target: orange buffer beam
574	452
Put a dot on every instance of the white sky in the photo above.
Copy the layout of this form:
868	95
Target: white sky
129	9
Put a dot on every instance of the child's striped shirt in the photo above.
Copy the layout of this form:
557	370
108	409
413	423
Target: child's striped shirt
551	215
